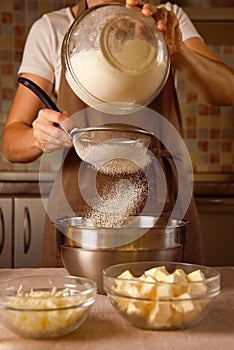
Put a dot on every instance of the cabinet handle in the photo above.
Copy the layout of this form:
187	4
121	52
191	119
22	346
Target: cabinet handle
27	230
212	201
2	238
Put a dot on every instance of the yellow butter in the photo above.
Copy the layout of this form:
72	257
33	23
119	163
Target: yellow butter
160	314
195	276
157	272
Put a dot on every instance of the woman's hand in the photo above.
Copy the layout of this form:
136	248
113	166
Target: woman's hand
47	136
166	22
30	129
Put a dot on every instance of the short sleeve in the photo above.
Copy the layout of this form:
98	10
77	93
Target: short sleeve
187	28
38	56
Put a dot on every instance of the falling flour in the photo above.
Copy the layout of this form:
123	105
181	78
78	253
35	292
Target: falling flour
136	81
115	207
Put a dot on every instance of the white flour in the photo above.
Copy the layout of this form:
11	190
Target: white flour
109	84
114	156
116	205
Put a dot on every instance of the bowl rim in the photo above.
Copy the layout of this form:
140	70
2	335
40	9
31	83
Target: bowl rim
90	293
215	277
174	223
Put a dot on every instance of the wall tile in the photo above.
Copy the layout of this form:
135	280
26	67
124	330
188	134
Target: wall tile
208	130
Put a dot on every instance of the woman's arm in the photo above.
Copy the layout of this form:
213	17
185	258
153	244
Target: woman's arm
29	126
211	78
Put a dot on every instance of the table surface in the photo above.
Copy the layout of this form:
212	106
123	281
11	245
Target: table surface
106	330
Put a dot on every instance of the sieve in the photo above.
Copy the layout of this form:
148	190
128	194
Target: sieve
112	148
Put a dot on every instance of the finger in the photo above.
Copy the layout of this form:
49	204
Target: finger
160	15
51	144
131	3
45	131
173	35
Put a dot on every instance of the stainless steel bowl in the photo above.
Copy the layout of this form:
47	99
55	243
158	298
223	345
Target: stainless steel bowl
147	239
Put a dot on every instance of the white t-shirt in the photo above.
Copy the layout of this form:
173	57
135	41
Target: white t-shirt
42	52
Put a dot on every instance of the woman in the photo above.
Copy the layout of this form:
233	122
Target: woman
29	125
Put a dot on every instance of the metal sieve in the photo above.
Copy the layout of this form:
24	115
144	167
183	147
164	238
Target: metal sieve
111	149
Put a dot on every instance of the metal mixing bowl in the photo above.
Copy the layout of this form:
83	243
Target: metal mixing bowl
87	251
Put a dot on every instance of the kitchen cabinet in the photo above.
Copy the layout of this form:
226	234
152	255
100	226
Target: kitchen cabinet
22	226
6	242
217	225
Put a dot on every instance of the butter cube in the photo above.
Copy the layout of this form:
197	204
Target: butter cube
132	290
178	280
168	279
180	275
185	312
134	309
176	277
126	275
157	272
121	302
126	287
183	306
195	276
148	289
147	278
160	314
164	291
197	289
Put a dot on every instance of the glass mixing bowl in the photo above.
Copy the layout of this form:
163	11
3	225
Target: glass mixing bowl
116	59
161	295
45	307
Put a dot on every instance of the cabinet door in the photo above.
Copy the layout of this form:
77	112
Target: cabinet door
217	224
6	217
28	231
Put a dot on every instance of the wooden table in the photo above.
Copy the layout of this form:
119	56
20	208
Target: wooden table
104	329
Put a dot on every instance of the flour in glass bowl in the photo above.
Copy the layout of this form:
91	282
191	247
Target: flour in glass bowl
140	76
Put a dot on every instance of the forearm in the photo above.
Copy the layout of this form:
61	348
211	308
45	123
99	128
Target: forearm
18	143
212	79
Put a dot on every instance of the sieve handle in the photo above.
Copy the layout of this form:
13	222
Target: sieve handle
42	95
45	99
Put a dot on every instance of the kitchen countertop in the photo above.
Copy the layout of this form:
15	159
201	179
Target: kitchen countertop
213	184
104	329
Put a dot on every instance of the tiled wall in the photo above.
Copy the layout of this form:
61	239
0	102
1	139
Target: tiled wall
208	130
16	16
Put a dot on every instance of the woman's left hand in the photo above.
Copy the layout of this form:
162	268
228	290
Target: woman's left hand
166	22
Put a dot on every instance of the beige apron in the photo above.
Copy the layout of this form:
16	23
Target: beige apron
167	105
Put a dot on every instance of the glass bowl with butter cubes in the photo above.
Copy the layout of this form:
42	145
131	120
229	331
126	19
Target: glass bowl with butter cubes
45	307
161	295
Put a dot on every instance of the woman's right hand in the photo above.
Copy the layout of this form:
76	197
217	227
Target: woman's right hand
165	21
47	136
